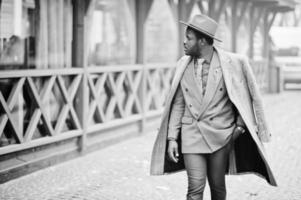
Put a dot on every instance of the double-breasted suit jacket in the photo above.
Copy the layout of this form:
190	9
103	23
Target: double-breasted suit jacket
205	114
248	153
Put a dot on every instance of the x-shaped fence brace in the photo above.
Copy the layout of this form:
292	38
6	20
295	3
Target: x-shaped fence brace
106	112
155	94
121	91
39	109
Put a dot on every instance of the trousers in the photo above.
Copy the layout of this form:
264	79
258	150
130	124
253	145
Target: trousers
212	166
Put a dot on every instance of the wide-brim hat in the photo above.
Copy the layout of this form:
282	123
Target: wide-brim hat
203	24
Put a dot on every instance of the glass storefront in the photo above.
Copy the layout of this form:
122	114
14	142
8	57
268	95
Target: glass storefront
35	34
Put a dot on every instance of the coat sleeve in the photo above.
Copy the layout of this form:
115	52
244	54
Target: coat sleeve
263	129
177	111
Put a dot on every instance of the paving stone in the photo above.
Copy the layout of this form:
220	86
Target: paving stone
121	171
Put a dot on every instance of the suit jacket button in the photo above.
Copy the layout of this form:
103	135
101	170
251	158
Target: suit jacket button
186	89
211	118
190	105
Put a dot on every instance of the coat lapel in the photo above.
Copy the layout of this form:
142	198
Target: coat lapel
225	62
180	68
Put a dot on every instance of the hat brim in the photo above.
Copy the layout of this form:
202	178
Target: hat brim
201	30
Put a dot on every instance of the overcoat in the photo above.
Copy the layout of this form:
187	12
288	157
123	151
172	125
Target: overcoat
248	154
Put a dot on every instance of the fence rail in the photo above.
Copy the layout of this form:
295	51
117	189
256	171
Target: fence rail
44	106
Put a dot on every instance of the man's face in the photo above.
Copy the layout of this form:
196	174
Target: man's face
191	46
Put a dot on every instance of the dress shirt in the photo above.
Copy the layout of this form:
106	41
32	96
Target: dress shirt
202	66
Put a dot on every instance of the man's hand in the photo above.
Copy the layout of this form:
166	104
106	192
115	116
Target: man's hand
237	132
173	151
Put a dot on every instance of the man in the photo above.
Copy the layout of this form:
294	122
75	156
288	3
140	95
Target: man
213	121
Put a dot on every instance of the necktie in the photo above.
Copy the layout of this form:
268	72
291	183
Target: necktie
202	71
205	72
199	68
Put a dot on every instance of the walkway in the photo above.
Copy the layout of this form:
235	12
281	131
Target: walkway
121	172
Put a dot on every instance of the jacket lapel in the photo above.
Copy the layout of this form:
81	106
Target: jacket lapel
191	80
214	78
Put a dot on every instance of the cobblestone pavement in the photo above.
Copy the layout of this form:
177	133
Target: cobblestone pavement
121	172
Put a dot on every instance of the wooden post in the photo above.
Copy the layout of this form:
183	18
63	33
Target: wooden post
202	7
234	26
221	8
142	96
78	60
251	35
142	10
174	9
272	70
182	13
0	24
211	12
265	50
254	23
297	16
184	10
238	13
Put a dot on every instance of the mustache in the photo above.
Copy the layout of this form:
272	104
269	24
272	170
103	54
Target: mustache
195	47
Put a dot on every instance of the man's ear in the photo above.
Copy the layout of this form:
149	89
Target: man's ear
201	42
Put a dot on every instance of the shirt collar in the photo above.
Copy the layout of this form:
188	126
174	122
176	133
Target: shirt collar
206	58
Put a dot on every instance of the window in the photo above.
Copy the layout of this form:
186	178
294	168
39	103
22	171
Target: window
35	34
161	34
111	33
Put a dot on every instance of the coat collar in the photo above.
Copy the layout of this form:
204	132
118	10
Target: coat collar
180	68
226	63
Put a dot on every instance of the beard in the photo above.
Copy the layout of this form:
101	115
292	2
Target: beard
194	51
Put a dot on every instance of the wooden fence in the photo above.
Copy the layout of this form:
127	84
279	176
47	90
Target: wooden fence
43	106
